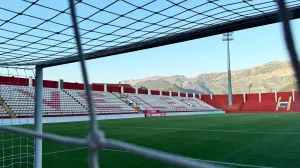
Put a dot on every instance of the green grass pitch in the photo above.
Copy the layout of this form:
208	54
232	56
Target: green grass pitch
232	140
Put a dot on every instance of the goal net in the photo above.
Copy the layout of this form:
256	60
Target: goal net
16	150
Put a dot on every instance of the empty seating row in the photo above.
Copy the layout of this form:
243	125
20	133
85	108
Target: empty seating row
169	103
3	113
148	102
197	104
176	103
104	102
20	99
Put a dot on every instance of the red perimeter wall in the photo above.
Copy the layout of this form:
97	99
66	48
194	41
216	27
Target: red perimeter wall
252	104
115	89
77	86
98	87
129	90
47	83
221	102
155	92
142	91
165	93
14	81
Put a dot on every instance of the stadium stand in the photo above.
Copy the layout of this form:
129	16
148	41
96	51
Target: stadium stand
149	102
168	103
176	103
20	99
3	113
113	85
197	104
104	102
20	102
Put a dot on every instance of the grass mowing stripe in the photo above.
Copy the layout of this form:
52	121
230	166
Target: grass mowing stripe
210	161
207	130
268	130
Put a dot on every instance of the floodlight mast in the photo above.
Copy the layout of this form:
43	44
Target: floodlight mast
228	37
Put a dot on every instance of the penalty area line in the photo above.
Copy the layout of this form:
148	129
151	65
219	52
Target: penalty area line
209	161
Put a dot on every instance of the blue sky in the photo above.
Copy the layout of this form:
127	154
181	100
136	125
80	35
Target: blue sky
250	47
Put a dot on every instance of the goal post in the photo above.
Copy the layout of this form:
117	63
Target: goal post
38	116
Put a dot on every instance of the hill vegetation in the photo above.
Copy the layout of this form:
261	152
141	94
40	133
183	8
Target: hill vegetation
289	87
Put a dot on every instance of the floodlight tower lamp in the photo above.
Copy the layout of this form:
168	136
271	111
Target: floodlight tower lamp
250	87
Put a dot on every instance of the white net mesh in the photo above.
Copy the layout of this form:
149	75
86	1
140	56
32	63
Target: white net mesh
16	149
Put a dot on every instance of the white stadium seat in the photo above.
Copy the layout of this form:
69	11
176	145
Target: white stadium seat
104	102
20	99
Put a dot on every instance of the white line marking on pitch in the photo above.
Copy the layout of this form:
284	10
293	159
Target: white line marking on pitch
233	164
62	151
209	161
246	130
209	130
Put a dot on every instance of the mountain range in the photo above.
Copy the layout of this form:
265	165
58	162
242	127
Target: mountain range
275	75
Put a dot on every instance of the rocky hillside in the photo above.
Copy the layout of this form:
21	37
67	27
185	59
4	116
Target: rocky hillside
274	75
289	87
